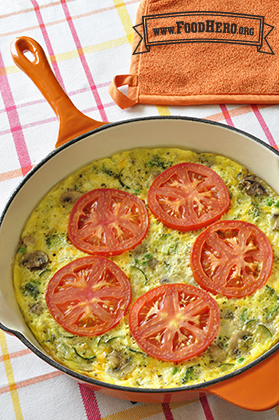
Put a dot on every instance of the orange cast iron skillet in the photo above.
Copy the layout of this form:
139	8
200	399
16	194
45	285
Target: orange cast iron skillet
254	387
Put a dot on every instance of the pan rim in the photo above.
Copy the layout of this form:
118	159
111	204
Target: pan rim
87	379
135	390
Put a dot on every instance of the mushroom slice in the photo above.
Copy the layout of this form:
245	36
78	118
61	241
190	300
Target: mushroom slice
217	353
28	240
153	175
275	217
229	315
164	280
37	308
140	249
70	197
152	263
34	260
240	343
252	186
119	365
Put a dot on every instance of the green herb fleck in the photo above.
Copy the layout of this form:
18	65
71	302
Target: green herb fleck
244	314
148	256
175	370
269	202
144	261
21	249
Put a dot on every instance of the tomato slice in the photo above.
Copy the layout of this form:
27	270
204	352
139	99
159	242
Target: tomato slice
174	322
188	196
88	296
107	222
231	257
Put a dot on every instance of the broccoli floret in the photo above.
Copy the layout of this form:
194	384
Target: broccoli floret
191	374
32	288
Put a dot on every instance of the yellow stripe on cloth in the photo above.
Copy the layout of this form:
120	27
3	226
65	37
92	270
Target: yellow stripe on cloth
146	411
163	110
74	53
125	19
10	376
128	27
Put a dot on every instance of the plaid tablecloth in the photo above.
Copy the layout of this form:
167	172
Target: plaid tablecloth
87	42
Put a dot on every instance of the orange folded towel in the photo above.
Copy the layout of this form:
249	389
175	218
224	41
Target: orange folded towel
188	52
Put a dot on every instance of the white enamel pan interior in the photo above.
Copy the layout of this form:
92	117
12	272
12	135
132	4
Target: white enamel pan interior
185	133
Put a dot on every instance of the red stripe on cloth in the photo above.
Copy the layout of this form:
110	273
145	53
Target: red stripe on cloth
90	403
16	128
264	126
167	411
31	381
15	354
84	62
10	175
94	108
206	408
227	115
48	43
72	93
29	125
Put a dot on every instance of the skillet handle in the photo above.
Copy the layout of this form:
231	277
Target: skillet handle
255	389
72	122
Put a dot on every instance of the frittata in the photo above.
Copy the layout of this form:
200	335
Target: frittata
249	325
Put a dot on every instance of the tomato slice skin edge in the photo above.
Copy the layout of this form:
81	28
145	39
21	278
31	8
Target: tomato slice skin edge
232	275
89	296
180	332
162	203
103	233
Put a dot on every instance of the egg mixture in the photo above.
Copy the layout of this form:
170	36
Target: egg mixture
249	326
